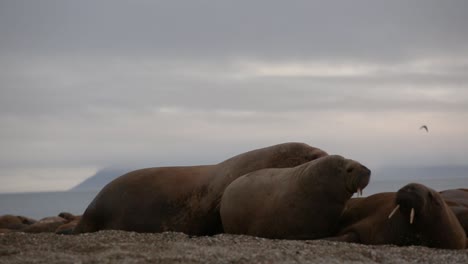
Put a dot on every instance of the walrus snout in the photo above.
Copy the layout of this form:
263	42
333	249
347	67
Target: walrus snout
409	200
410	196
364	178
359	176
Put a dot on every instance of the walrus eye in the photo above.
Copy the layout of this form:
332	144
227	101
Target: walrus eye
349	170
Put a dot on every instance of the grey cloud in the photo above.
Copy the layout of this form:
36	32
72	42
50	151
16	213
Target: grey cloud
64	87
368	30
89	84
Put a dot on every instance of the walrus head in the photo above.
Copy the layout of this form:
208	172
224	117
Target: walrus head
333	177
413	199
357	176
26	220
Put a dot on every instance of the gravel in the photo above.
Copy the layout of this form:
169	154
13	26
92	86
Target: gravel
170	247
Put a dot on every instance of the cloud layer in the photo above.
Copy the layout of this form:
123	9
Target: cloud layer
91	84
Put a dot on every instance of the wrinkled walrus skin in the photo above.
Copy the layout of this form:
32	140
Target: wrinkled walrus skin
421	218
182	199
457	200
303	202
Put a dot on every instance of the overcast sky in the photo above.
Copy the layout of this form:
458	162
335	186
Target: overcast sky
86	85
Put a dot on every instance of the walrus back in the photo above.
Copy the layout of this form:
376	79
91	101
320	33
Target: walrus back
137	198
283	155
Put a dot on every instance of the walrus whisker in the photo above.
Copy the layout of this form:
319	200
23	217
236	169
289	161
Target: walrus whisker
411	216
394	211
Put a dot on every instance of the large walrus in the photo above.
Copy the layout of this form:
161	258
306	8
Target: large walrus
415	215
303	202
457	200
183	199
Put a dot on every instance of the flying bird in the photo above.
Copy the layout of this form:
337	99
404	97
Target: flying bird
424	127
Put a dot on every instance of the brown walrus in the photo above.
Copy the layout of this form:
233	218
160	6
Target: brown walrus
457	200
183	199
69	225
419	217
365	221
303	202
45	225
15	222
59	224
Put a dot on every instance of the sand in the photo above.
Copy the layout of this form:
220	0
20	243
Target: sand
170	247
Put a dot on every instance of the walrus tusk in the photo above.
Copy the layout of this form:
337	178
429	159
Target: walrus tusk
394	211
359	192
411	216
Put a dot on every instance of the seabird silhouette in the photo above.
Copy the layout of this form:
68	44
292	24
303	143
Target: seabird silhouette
424	127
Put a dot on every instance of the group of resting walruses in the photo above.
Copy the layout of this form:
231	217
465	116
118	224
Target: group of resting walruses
285	191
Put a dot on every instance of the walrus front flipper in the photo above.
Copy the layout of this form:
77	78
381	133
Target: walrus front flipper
351	237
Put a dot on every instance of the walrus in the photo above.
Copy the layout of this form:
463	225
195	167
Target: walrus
457	200
303	202
7	230
61	224
68	216
15	222
365	220
182	199
45	225
70	224
415	215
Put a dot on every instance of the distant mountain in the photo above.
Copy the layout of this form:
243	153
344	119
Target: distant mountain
100	179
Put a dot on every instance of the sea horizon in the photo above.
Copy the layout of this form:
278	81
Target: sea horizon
42	204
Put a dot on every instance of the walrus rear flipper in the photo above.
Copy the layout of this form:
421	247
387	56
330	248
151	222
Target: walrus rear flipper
81	227
350	237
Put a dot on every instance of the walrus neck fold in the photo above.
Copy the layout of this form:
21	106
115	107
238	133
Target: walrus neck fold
316	173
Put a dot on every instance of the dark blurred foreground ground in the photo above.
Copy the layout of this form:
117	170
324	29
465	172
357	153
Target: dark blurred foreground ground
129	247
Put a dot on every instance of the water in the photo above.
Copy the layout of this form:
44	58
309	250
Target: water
43	204
438	184
39	205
